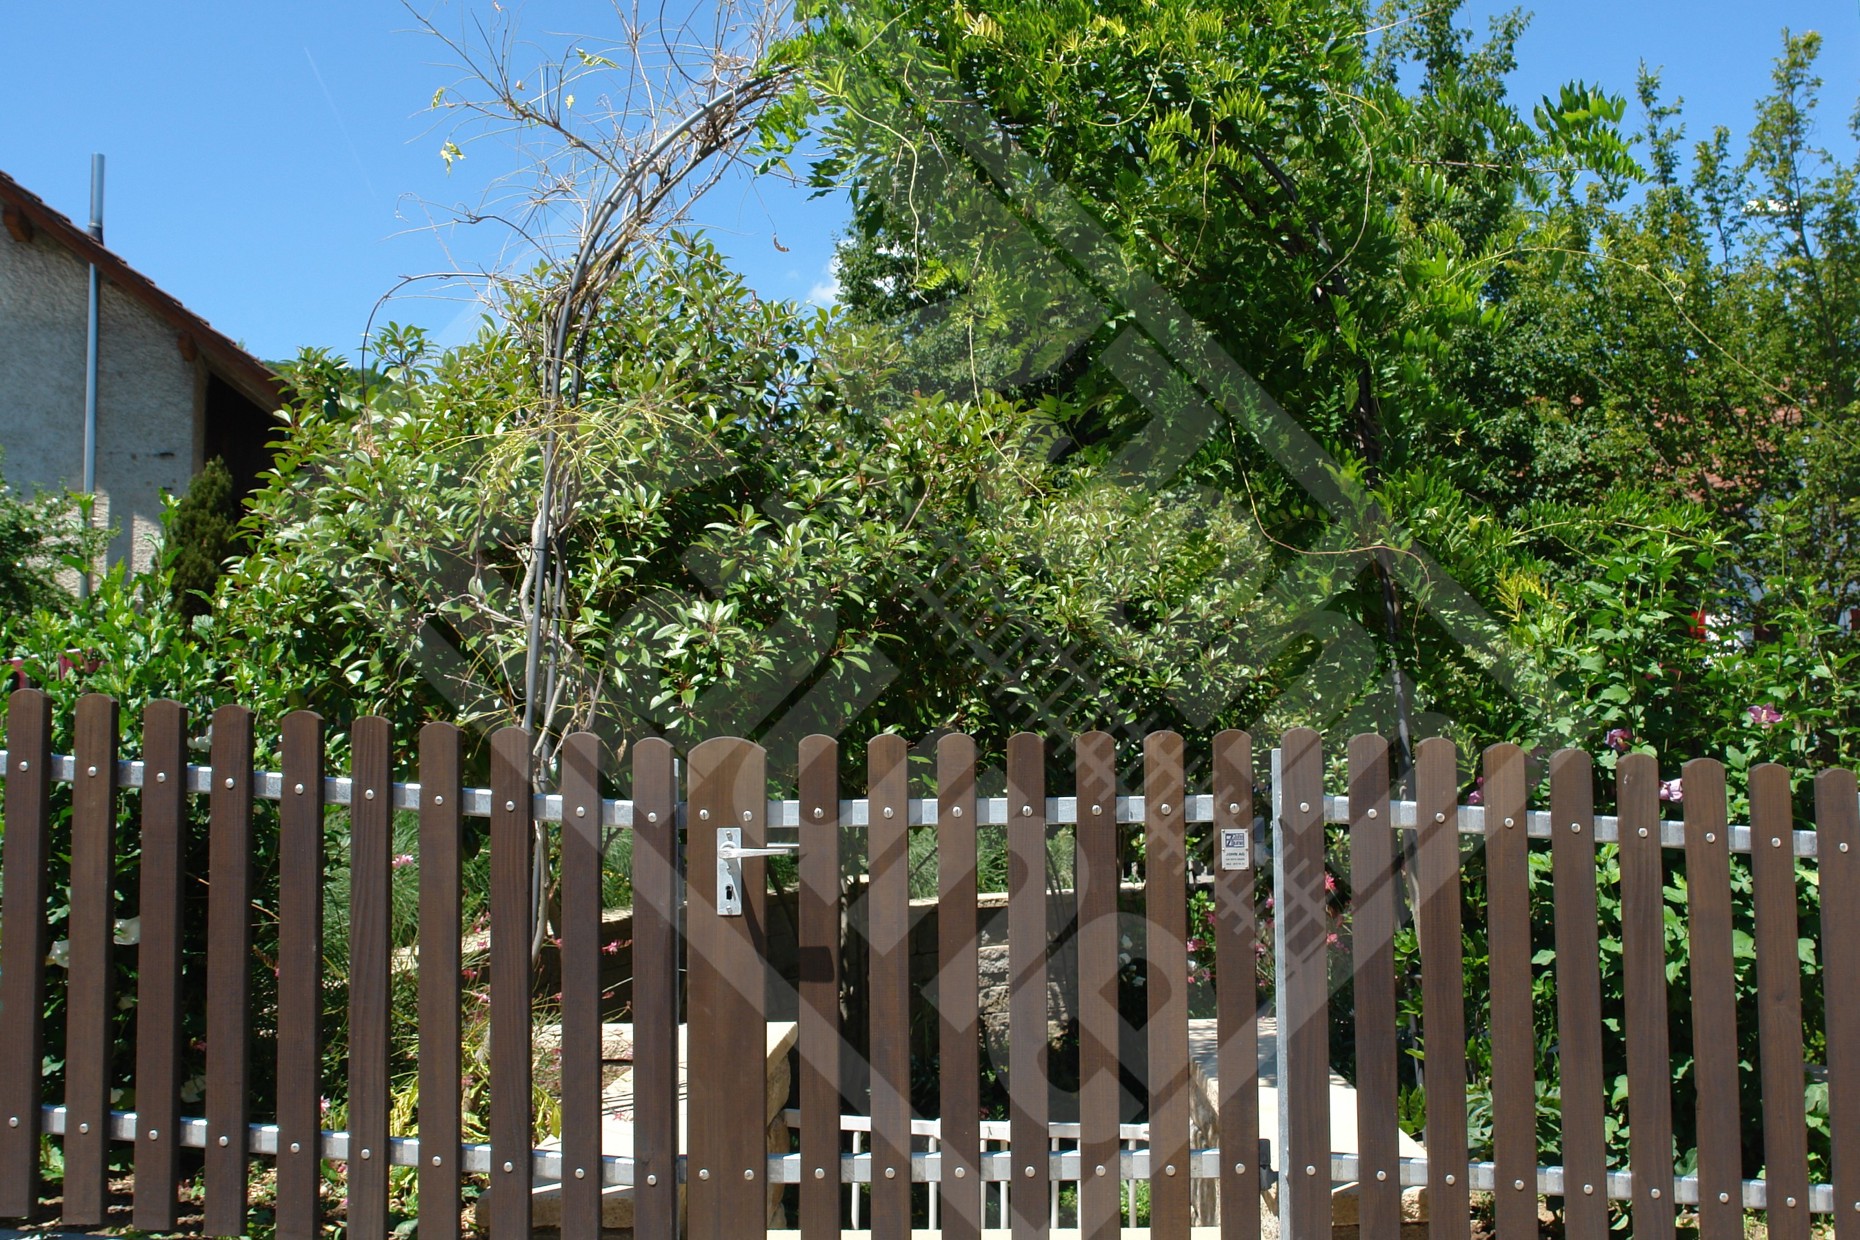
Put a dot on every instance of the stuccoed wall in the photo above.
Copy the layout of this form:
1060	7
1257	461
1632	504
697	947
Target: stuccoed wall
149	400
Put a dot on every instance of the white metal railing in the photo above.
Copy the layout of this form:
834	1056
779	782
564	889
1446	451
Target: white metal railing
921	811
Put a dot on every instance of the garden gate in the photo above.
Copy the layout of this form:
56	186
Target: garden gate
700	950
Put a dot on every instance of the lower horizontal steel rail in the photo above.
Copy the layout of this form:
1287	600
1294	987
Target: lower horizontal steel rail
1062	1165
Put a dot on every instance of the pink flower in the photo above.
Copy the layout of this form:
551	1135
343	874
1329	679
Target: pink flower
1618	739
1765	716
1475	797
403	860
1196	945
1330	881
1672	790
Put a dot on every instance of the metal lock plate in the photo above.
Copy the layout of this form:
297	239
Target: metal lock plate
730	854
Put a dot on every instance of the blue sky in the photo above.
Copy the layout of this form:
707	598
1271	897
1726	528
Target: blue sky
276	166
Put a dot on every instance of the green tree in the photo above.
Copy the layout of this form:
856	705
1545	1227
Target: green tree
203	531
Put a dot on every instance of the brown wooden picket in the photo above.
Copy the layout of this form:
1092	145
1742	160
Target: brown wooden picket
441	1111
727	1075
819	1034
371	853
1165	872
158	967
1236	931
1027	964
1443	1011
90	931
512	873
300	978
1304	994
1514	1044
1374	907
1643	950
1779	1002
1714	1000
1578	994
1837	830
888	928
229	964
655	990
22	949
1097	883
582	857
958	1022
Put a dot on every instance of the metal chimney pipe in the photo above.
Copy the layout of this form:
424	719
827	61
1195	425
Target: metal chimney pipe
90	349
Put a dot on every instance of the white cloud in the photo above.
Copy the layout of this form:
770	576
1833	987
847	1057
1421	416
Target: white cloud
826	291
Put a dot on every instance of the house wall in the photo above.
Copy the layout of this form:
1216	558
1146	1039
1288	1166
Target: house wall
149	399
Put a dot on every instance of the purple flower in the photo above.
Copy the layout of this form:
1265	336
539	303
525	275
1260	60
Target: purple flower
1618	739
1475	797
1765	716
1672	790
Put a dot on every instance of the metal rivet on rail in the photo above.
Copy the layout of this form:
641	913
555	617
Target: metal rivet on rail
24	765
1511	822
1304	807
154	1135
1028	1172
1233	807
1169	1170
1309	1170
229	781
749	817
1026	811
652	815
368	794
92	771
1097	809
1711	838
1098	1170
819	813
83	1127
438	1161
1239	1169
1655	1194
1775	841
820	1173
581	811
1575	826
223	1141
296	1148
161	777
1382	1175
1440	815
1165	809
1643	833
1452	1179
581	1173
956	812
890	813
652	1179
961	1172
298	789
891	1173
367	1154
1373	814
1518	1184
1723	1197
703	1173
509	806
703	815
1589	1189
508	1167
1790	1202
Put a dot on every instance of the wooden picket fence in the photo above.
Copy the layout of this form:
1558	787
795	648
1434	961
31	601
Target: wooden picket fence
688	945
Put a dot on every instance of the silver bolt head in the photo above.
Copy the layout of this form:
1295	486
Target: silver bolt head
748	816
820	1173
819	813
1169	1170
1511	822
1165	809
510	1166
368	794
889	812
1775	841
1711	837
1656	1194
92	772
956	812
1026	811
223	1141
1028	1172
891	1173
1452	1179
1723	1197
1239	1168
1518	1184
1576	827
652	1179
703	1173
1440	815
1375	813
161	777
1310	1170
439	800
652	816
1382	1175
1097	809
367	1154
438	1161
961	1172
154	1135
581	1173
1233	807
703	815
83	1127
229	781
1304	807
1098	1170
1790	1202
1642	833
509	806
1588	1190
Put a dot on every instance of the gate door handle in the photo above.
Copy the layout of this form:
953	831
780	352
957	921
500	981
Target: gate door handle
730	854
